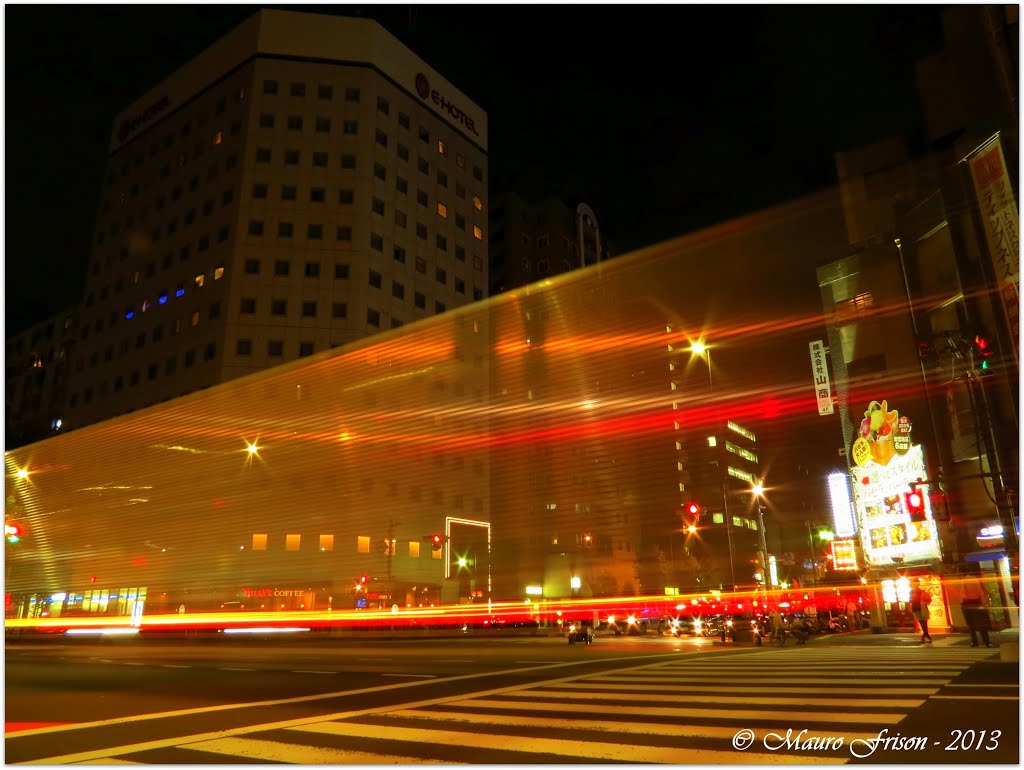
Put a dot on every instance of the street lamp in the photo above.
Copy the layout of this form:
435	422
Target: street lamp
824	534
758	490
698	348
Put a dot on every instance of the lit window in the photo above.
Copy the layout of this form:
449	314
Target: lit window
478	233
477	203
195	319
718	518
218	273
712	441
326	542
218	137
442	147
363	544
292	542
200	279
436	554
414	549
259	542
442	211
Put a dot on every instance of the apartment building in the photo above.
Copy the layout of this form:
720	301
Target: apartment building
303	183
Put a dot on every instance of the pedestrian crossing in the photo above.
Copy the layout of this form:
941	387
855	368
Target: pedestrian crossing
769	706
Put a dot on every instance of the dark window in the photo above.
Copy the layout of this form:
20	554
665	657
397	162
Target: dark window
275	348
294	122
442	242
267	120
346	196
312	269
439	307
317	195
421	265
214	310
348	160
380	172
375	279
252	266
344	233
339	310
282	267
305	349
315	232
309	309
255	227
423	166
420	300
403	152
243	347
285	229
377	205
382	105
247	305
376	242
351	94
460	286
270	86
440	275
298	89
320	159
291	157
381	138
421	198
209	352
350	127
278	307
263	155
373	317
403	120
323	125
325	91
341	270
397	290
399	254
289	192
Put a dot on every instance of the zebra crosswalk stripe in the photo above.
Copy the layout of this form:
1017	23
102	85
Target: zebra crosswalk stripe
569	748
275	751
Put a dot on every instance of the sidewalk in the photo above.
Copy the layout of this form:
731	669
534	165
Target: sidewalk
910	638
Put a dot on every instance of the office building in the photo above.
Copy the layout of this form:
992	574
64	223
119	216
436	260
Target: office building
303	183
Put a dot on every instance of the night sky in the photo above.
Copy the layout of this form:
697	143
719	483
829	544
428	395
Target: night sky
663	118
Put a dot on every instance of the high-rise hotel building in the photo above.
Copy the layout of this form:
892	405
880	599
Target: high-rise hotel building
304	182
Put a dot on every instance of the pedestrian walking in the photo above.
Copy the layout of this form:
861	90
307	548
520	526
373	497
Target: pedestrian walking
920	598
973	601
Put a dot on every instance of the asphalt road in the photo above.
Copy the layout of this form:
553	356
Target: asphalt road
522	700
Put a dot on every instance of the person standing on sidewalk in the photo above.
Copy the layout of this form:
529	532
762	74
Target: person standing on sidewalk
972	603
919	601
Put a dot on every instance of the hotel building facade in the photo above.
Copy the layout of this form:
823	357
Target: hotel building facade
303	183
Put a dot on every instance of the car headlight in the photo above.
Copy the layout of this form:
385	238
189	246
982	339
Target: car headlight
696	625
631	620
728	623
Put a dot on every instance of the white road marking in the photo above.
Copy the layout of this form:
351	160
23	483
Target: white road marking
236	669
174	665
754	700
253	748
626	752
310	671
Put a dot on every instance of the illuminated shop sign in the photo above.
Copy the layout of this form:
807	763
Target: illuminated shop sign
842	511
819	369
891	503
253	593
432	94
844	554
883	436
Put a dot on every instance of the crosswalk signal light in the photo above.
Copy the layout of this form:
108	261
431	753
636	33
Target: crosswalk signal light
436	541
914	503
12	532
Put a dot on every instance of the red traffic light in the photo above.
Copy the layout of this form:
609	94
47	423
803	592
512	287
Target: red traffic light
436	540
362	579
693	509
914	503
12	532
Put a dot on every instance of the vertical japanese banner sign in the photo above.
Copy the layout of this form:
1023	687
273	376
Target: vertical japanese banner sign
998	210
819	369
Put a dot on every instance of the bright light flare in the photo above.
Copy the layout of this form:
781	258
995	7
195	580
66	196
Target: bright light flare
264	630
698	348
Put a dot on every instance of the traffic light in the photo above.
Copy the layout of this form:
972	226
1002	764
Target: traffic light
983	351
436	541
913	501
12	532
362	580
926	351
693	510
